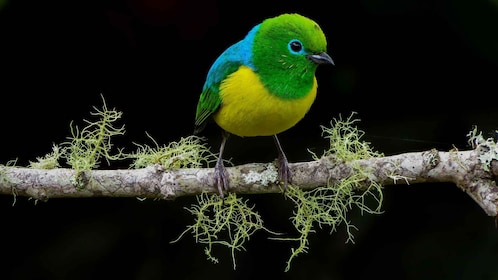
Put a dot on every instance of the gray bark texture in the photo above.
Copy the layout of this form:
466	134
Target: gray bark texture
463	168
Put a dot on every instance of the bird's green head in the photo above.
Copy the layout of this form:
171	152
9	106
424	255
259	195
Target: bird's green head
286	52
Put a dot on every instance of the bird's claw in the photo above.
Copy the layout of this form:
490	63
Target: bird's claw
221	178
284	172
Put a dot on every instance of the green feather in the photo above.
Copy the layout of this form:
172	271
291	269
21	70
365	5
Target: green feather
210	99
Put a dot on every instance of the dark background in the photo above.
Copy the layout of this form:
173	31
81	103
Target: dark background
419	74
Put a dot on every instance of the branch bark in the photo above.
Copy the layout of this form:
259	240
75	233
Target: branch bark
463	168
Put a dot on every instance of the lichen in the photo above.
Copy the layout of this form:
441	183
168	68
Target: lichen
270	175
86	147
6	181
345	141
228	222
487	147
49	161
188	152
329	205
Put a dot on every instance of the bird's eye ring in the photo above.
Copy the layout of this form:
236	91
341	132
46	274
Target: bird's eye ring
295	46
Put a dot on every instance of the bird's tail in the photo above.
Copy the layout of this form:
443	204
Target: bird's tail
199	128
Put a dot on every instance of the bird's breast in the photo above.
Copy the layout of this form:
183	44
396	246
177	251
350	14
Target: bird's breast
249	109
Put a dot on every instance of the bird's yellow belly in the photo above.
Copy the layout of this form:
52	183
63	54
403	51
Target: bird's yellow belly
248	109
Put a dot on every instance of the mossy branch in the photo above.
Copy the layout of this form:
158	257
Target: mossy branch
346	175
463	168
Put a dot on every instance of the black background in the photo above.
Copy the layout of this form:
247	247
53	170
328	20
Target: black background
419	74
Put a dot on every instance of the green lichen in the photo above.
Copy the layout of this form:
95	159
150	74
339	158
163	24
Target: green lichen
487	146
6	181
270	175
188	152
86	147
49	161
345	141
328	206
228	222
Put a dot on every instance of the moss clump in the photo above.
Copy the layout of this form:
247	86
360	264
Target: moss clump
49	161
345	141
225	221
329	205
487	146
189	152
5	180
87	146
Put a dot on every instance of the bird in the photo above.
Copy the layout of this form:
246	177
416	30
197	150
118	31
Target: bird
263	85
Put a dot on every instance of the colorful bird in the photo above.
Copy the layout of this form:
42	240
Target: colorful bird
263	85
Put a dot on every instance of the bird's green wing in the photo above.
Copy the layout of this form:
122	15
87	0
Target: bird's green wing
209	102
210	99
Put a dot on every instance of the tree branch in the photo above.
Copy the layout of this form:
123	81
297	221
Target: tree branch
463	168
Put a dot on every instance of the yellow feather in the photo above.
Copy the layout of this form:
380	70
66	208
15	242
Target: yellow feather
248	109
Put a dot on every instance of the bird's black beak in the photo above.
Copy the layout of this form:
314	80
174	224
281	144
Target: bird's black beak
321	58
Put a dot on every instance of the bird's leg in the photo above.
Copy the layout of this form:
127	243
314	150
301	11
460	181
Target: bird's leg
220	173
284	172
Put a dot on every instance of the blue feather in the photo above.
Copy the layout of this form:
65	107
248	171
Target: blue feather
239	53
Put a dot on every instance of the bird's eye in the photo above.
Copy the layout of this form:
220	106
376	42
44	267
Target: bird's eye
295	46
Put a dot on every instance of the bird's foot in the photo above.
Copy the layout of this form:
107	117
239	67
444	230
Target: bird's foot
221	177
284	172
